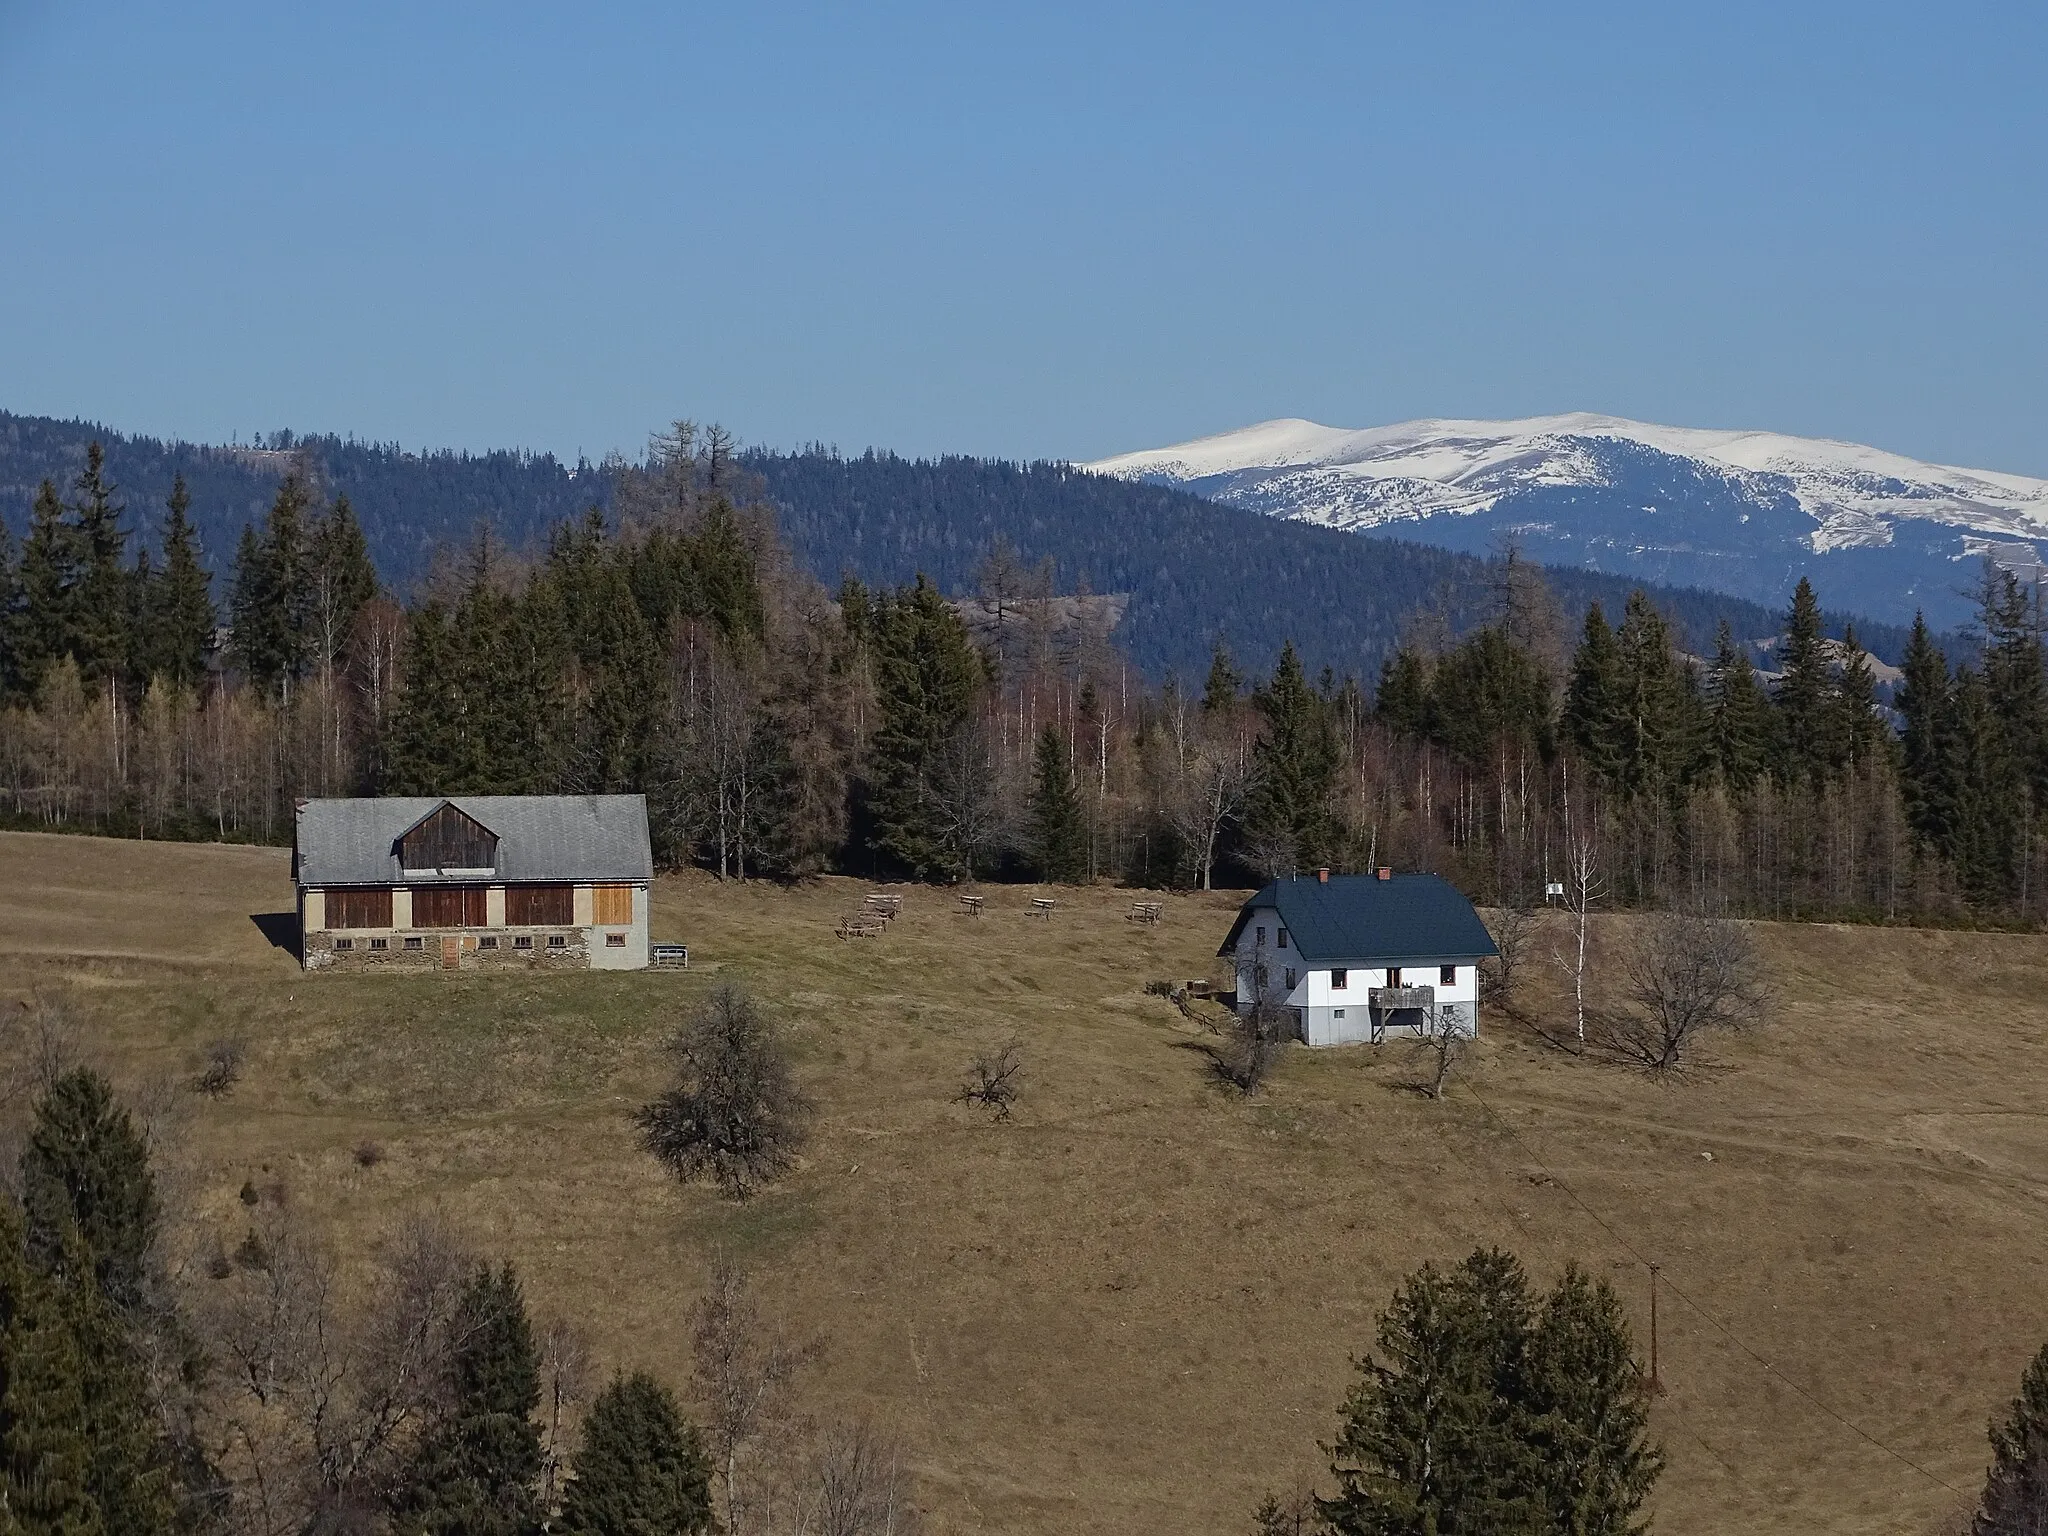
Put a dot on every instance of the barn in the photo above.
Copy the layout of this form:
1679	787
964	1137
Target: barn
1361	957
473	882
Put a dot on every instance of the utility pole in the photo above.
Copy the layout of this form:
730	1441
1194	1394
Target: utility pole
1656	1380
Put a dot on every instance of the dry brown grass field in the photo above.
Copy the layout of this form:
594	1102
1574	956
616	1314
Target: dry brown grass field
1131	1308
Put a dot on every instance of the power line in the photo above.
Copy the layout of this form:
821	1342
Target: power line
1726	1332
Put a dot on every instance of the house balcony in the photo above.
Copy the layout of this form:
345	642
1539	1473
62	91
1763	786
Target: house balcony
1388	999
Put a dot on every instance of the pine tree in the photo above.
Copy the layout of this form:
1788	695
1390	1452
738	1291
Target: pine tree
1661	727
177	605
1925	782
2015	1498
103	602
423	750
273	598
1595	708
477	1469
1402	700
1739	716
1432	1438
1294	767
1587	1410
726	576
1488	694
85	1169
1059	836
641	1468
927	677
45	1451
47	628
1224	683
2013	676
1804	693
1859	728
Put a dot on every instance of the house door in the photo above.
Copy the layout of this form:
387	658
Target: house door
451	953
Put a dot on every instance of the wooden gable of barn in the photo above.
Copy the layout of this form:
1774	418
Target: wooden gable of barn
448	838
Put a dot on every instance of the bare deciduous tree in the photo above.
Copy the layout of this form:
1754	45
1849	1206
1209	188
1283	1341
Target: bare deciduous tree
1442	1047
565	1370
735	1113
744	1372
992	1078
1252	1041
856	1487
1584	889
222	1068
1685	974
1207	778
1512	927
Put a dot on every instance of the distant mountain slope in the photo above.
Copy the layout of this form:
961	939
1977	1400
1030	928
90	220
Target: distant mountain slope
1741	512
1192	569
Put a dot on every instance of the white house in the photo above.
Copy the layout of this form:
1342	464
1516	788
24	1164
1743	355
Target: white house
476	882
1359	957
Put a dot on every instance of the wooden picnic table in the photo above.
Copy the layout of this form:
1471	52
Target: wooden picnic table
861	925
971	905
1043	906
1145	912
887	903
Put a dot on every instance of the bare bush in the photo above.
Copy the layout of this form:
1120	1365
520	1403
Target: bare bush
856	1486
368	1153
222	1068
992	1078
1685	974
1252	1041
735	1113
744	1372
1513	929
565	1373
1442	1050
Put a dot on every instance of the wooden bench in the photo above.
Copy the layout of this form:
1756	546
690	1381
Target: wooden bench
972	905
1145	912
885	903
1043	906
668	957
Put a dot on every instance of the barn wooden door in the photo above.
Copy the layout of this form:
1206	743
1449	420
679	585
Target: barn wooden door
451	953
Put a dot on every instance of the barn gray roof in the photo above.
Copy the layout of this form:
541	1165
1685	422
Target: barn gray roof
1365	918
540	837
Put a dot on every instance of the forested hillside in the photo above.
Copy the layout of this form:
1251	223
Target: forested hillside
1195	571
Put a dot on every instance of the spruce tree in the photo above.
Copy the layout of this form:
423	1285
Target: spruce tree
1402	700
1925	781
1224	683
273	599
2013	675
1294	767
47	628
45	1450
184	608
1859	728
641	1468
927	677
13	685
1739	716
1595	709
2015	1497
726	575
1586	1406
103	602
1489	694
1059	836
1988	794
340	580
1804	693
477	1468
85	1170
1660	725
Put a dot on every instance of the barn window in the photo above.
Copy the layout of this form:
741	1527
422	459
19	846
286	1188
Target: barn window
615	941
1340	979
446	838
415	943
538	906
488	941
448	906
380	943
344	943
523	941
611	904
366	908
558	941
1447	975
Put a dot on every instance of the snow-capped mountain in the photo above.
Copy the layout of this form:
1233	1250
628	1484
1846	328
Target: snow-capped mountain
1744	512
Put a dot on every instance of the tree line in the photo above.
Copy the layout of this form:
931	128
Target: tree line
675	647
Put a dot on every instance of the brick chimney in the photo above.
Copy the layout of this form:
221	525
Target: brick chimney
1385	873
1323	876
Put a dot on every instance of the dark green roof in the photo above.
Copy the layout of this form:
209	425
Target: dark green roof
1365	918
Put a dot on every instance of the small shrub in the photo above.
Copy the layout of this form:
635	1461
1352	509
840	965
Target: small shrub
368	1154
249	1195
223	1068
992	1078
251	1252
218	1264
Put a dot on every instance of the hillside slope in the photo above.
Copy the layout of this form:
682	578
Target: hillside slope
1131	1309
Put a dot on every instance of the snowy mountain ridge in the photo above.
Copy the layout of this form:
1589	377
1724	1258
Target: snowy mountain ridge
1745	511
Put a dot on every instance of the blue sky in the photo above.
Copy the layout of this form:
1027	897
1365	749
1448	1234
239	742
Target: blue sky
1047	230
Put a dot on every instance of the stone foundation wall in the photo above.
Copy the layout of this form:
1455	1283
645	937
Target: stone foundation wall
321	955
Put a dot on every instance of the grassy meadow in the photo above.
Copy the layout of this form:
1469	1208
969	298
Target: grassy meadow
1131	1308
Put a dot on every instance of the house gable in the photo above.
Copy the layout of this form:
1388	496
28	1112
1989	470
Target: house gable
446	838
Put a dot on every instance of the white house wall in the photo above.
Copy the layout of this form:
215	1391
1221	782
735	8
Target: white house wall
1319	1003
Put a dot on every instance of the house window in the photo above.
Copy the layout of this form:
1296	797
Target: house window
1262	933
1259	976
523	941
380	943
1290	978
1393	975
344	943
415	943
488	941
1447	975
615	941
1336	1013
1340	979
1283	938
558	941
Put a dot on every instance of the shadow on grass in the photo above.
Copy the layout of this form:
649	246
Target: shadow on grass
281	928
